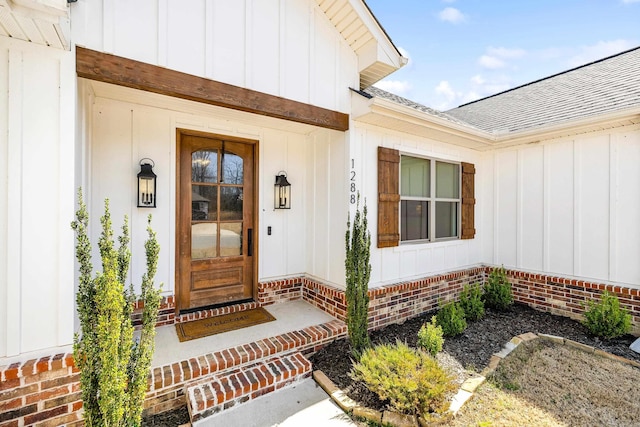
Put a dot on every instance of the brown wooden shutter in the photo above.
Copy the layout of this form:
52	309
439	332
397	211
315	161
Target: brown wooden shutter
468	201
388	197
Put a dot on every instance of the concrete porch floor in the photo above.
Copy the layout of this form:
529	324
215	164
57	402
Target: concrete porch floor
290	316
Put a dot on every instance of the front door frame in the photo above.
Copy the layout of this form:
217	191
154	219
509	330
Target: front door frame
256	210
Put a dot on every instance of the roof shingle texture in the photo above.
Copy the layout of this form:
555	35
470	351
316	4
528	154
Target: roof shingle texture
608	85
604	86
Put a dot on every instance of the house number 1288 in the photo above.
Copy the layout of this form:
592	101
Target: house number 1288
352	183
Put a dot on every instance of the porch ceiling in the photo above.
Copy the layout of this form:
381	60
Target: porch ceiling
44	22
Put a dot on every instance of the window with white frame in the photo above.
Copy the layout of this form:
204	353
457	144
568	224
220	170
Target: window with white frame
429	199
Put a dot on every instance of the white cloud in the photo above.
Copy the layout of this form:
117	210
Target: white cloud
491	62
600	50
477	79
452	15
503	52
399	87
444	88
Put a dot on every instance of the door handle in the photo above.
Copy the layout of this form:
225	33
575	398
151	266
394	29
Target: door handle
250	242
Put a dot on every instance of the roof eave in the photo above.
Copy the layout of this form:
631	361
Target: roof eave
378	111
378	56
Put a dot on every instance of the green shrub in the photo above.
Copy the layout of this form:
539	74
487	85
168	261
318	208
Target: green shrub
113	367
471	302
430	337
451	319
606	319
497	290
411	380
358	271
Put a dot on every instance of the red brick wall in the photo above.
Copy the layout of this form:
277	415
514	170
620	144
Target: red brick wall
396	302
42	392
566	296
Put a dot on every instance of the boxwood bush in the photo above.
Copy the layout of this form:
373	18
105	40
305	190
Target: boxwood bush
606	318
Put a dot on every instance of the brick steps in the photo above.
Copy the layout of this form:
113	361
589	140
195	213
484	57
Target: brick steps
169	383
241	385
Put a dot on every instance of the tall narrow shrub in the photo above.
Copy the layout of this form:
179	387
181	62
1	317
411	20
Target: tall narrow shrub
113	366
358	271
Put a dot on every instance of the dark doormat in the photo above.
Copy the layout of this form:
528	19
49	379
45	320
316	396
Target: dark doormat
225	323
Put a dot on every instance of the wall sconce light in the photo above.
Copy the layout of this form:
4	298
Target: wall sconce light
282	192
146	184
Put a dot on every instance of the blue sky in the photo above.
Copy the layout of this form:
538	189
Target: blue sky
461	50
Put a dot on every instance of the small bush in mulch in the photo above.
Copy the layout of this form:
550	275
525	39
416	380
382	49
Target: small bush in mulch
497	290
606	319
431	337
451	319
411	380
471	302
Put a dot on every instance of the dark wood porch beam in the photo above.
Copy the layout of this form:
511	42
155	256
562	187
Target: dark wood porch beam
104	67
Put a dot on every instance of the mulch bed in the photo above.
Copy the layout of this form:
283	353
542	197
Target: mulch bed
472	349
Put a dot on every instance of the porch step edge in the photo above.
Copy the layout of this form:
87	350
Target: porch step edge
241	385
197	369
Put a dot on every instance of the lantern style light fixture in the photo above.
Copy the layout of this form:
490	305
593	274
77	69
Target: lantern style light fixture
282	192
146	184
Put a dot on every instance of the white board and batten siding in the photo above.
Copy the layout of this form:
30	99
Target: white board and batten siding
408	260
568	207
286	48
36	197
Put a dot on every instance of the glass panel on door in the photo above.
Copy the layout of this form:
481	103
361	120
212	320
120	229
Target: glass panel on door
216	204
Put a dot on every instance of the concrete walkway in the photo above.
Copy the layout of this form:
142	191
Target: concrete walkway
303	404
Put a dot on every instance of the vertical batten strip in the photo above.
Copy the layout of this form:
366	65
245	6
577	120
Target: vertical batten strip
613	207
14	205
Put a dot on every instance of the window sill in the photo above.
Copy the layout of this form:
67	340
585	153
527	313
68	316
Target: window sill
413	245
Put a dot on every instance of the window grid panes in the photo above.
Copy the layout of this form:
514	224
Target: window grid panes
429	199
217	178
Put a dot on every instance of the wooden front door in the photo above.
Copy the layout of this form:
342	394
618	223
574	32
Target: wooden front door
215	221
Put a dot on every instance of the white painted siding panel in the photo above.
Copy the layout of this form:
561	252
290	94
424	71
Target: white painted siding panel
319	204
40	232
338	204
592	207
627	208
296	246
296	54
133	23
152	137
531	210
559	206
4	194
485	207
228	44
186	37
36	260
323	79
265	46
506	171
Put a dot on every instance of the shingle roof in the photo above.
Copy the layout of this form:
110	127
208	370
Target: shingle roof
379	93
608	85
604	86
